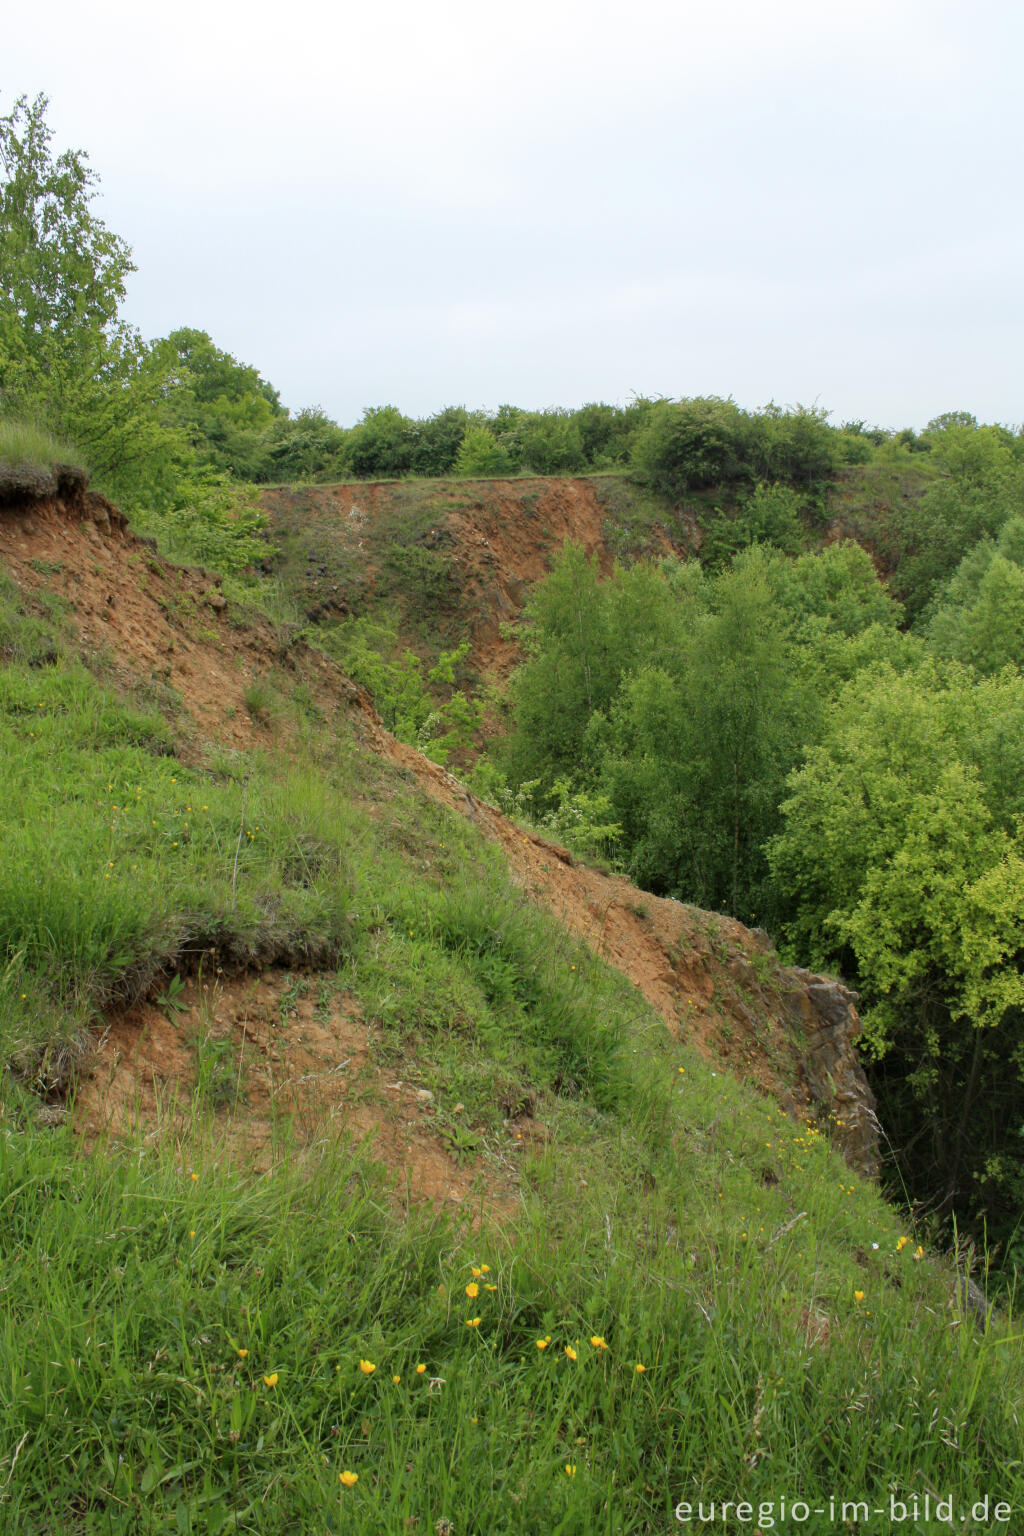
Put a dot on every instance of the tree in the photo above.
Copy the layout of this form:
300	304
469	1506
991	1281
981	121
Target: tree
691	444
902	863
700	742
223	407
481	455
65	357
307	446
980	617
382	445
438	439
62	271
583	636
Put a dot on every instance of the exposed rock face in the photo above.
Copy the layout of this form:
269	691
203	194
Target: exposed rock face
826	1014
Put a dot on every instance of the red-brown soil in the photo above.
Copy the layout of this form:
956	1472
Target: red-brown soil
501	535
273	1066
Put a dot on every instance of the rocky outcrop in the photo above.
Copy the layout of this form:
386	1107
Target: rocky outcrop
825	1015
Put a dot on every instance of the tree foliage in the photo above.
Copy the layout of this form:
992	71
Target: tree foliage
902	862
62	271
222	407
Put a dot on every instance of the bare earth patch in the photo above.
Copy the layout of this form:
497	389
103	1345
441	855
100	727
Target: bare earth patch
265	1065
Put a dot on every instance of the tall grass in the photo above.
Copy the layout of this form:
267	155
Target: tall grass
185	1349
26	443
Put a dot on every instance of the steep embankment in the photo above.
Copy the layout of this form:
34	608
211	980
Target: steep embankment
169	635
455	558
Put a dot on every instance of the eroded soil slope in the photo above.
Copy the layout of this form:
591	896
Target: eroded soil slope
456	558
144	622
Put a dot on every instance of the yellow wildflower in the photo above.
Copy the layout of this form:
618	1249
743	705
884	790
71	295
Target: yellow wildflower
901	1244
348	1479
570	1469
242	1354
271	1380
639	1369
420	1370
597	1341
473	1322
570	1352
367	1367
396	1380
472	1290
858	1297
476	1272
543	1343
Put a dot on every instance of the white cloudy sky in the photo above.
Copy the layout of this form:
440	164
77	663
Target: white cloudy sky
554	201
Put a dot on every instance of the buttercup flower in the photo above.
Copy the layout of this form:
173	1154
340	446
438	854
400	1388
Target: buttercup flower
420	1370
858	1297
639	1369
570	1469
570	1352
473	1322
396	1380
271	1380
348	1479
472	1290
242	1354
367	1367
597	1341
543	1343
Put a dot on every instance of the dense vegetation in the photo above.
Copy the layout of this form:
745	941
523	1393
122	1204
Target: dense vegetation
770	736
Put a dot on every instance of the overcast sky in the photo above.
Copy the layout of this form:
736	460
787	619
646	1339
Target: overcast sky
554	201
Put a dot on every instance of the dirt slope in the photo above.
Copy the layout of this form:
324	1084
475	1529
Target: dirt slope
477	544
154	626
713	981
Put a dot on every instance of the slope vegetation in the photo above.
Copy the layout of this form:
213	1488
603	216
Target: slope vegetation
368	1164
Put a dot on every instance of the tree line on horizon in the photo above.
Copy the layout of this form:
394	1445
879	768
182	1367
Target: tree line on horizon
149	416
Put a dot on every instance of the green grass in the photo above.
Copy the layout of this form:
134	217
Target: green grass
23	443
664	1209
133	1284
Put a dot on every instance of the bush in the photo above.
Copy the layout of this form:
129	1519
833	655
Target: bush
481	455
691	445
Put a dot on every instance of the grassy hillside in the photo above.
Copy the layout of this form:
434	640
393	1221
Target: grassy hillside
658	1288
